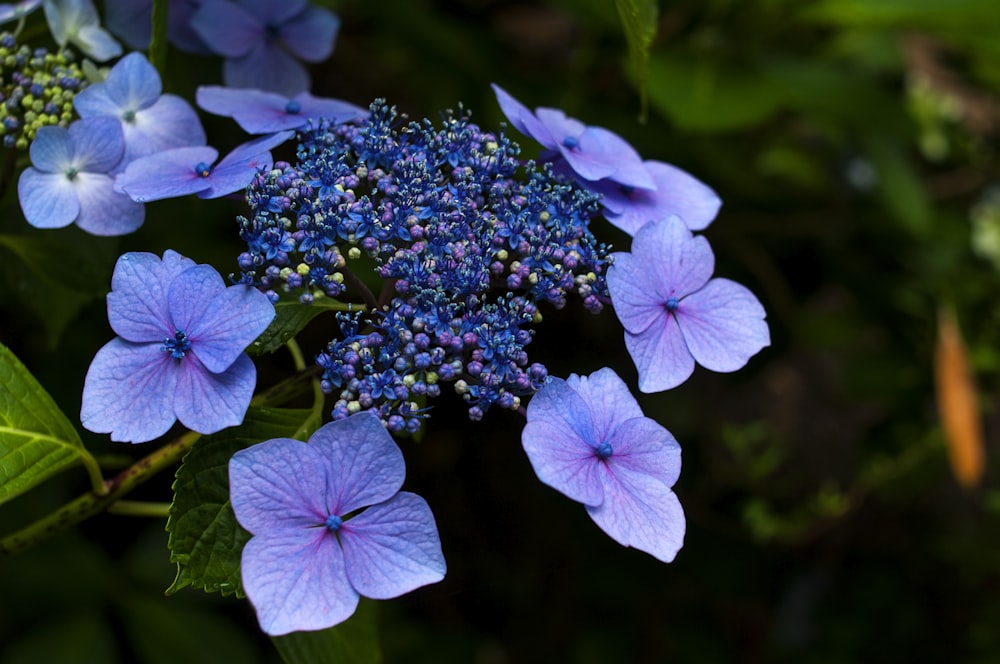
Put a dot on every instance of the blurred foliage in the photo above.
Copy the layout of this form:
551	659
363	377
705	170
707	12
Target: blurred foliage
854	144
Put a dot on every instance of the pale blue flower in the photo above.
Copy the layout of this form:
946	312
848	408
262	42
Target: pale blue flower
76	22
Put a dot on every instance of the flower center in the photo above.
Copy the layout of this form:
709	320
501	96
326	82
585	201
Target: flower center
604	450
672	303
202	169
128	116
271	32
292	107
71	173
177	346
570	142
333	523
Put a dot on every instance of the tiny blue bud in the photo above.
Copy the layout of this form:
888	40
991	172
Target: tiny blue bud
333	523
292	107
570	142
672	304
604	450
202	169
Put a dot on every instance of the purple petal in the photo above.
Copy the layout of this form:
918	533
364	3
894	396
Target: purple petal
683	262
661	356
98	144
129	392
190	297
239	167
392	548
166	174
607	398
677	193
641	446
233	319
311	35
181	33
638	303
52	150
167	124
723	325
208	402
280	483
296	581
130	21
94	100
600	153
271	12
522	119
227	28
560	442
133	84
48	200
104	211
365	466
267	67
137	303
643	514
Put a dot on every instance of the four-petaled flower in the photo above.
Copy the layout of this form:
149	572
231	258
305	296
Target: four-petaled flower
260	112
261	40
587	438
179	354
69	182
675	315
313	553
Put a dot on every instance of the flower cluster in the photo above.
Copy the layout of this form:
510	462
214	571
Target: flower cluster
36	90
467	240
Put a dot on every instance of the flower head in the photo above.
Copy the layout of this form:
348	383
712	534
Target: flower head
587	438
76	22
179	354
263	41
152	122
193	170
675	315
313	553
68	181
260	112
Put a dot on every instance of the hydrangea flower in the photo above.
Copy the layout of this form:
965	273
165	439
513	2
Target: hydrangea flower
594	153
587	438
261	40
184	171
152	122
13	11
675	315
179	354
131	21
76	22
260	112
313	553
68	180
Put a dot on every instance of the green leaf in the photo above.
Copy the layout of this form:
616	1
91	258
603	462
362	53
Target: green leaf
204	538
36	439
290	318
899	185
639	22
352	641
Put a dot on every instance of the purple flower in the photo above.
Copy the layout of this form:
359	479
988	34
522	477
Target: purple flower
150	121
76	22
593	153
587	438
12	11
676	193
184	171
674	315
259	112
131	20
68	181
179	354
261	40
312	553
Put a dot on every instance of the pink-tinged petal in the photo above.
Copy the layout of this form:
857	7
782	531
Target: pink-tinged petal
723	325
607	398
167	124
311	35
393	547
129	392
98	143
227	28
48	200
296	581
166	174
661	356
230	102
522	119
601	153
208	402
676	193
679	262
636	298
103	211
137	303
267	67
643	514
365	466
133	83
641	446
52	150
559	126
235	317
280	483
559	404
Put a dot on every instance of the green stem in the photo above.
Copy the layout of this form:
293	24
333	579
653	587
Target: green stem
92	503
140	508
316	416
158	43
